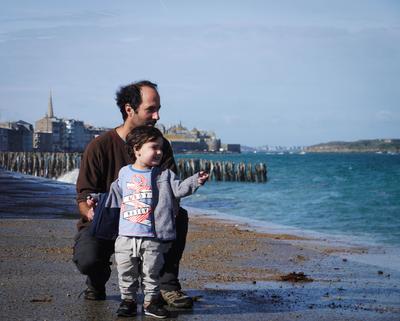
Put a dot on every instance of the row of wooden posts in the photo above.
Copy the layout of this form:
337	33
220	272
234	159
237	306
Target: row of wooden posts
49	165
224	171
53	165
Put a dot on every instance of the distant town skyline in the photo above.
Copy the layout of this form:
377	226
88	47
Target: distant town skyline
62	134
173	132
256	72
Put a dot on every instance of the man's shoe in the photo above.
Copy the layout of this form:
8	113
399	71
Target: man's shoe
156	310
177	299
93	295
127	308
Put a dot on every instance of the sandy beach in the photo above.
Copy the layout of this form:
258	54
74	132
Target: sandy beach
233	273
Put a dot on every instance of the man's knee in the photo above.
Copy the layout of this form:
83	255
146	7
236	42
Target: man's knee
86	263
88	256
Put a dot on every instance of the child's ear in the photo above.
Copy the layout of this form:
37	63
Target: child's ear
136	150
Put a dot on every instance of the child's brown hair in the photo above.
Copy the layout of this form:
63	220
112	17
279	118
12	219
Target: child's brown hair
139	136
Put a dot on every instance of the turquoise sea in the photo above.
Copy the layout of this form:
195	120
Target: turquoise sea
349	197
354	196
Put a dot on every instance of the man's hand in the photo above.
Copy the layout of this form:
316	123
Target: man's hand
91	202
203	177
87	209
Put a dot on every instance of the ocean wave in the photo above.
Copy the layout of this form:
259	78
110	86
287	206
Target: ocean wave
70	177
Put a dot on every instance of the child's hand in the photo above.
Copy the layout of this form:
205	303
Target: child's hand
203	177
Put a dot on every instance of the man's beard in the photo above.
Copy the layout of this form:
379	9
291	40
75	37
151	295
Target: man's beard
151	123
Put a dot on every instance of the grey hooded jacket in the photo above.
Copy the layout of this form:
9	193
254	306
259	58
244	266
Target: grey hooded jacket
167	190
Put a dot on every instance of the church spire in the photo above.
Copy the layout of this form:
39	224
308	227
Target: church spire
50	112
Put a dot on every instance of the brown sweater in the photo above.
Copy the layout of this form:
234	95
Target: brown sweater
103	158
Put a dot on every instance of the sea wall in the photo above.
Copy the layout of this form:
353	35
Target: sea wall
53	165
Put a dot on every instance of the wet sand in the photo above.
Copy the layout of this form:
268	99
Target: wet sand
233	273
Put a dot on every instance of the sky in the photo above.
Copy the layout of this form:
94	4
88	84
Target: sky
286	73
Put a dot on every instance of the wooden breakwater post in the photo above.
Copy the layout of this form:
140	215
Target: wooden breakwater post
53	165
223	170
49	165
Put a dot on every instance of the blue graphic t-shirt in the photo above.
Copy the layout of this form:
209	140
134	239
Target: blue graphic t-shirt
136	216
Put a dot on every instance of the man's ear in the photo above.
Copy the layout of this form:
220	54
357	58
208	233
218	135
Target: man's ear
129	110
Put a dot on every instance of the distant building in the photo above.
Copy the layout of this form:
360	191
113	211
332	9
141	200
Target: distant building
92	132
213	144
75	138
54	134
3	139
16	136
184	140
230	148
42	142
53	127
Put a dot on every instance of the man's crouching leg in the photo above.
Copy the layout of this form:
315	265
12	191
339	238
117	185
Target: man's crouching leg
171	290
92	258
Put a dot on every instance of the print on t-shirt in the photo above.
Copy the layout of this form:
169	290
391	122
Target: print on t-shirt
139	202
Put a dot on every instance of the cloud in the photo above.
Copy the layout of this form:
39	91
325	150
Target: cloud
387	116
232	119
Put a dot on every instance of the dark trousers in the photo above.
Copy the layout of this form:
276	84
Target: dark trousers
92	257
169	275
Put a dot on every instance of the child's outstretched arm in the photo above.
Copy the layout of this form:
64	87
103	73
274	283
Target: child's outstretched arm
187	186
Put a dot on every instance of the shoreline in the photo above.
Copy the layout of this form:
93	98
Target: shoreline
48	194
232	272
362	250
260	237
258	225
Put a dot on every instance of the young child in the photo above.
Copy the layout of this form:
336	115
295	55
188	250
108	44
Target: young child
147	219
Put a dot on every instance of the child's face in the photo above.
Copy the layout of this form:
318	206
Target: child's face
150	154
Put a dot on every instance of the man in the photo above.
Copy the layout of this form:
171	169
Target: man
139	104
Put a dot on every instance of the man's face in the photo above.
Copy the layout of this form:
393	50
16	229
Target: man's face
148	111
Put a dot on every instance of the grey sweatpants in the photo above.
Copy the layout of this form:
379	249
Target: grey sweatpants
133	253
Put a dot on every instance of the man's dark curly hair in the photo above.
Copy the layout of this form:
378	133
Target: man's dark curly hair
131	94
139	136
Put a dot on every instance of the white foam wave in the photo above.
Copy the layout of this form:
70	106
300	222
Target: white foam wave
70	177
